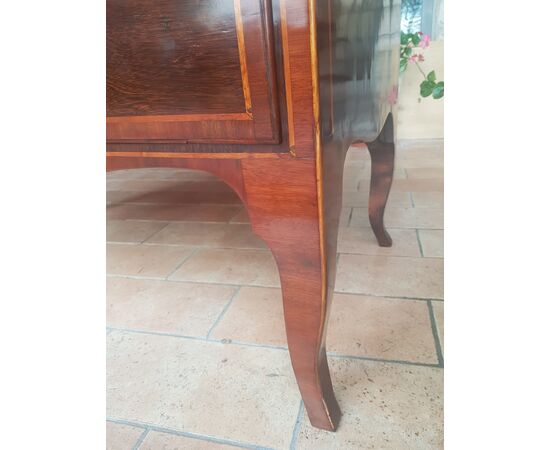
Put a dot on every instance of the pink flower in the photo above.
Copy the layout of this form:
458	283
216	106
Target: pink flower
413	58
425	41
420	58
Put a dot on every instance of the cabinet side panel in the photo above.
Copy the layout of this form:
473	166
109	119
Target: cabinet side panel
358	46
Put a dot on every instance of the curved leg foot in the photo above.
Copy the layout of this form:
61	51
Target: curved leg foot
382	153
282	202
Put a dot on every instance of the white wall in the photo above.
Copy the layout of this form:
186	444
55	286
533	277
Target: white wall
417	117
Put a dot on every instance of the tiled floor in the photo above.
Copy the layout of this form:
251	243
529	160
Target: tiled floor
196	355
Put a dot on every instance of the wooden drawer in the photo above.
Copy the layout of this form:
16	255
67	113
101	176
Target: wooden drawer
197	71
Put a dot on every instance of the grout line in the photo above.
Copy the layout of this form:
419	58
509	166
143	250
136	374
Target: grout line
176	221
199	338
419	243
203	246
350	215
260	249
160	333
188	434
222	314
366	294
155	232
435	333
194	246
382	360
141	438
236	214
412	199
193	252
390	256
248	223
271	347
297	426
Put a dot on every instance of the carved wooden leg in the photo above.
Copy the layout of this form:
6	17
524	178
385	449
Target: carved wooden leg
382	153
281	196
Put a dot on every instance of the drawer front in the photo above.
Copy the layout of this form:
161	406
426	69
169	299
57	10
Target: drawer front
191	71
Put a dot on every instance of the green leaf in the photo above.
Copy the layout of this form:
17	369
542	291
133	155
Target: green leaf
431	76
426	88
408	51
415	39
402	64
438	91
404	39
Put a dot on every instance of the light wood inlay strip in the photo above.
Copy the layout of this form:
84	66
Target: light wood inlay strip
179	118
288	80
312	6
331	71
242	55
197	155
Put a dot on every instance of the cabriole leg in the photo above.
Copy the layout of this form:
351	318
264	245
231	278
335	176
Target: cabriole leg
281	197
382	153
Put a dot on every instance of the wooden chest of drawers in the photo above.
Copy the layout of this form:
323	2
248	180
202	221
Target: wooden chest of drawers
267	95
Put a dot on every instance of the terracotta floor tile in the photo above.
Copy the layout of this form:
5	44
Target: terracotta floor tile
385	407
438	308
208	234
159	174
404	145
245	394
138	187
428	199
434	172
184	184
361	240
381	328
214	185
125	211
432	243
241	216
365	176
231	266
345	216
155	261
415	185
359	325
165	306
256	316
356	173
186	213
132	231
164	441
122	437
177	197
390	276
428	218
361	199
351	183
412	163
117	197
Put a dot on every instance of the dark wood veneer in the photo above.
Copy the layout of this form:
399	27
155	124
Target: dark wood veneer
190	71
320	75
168	57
